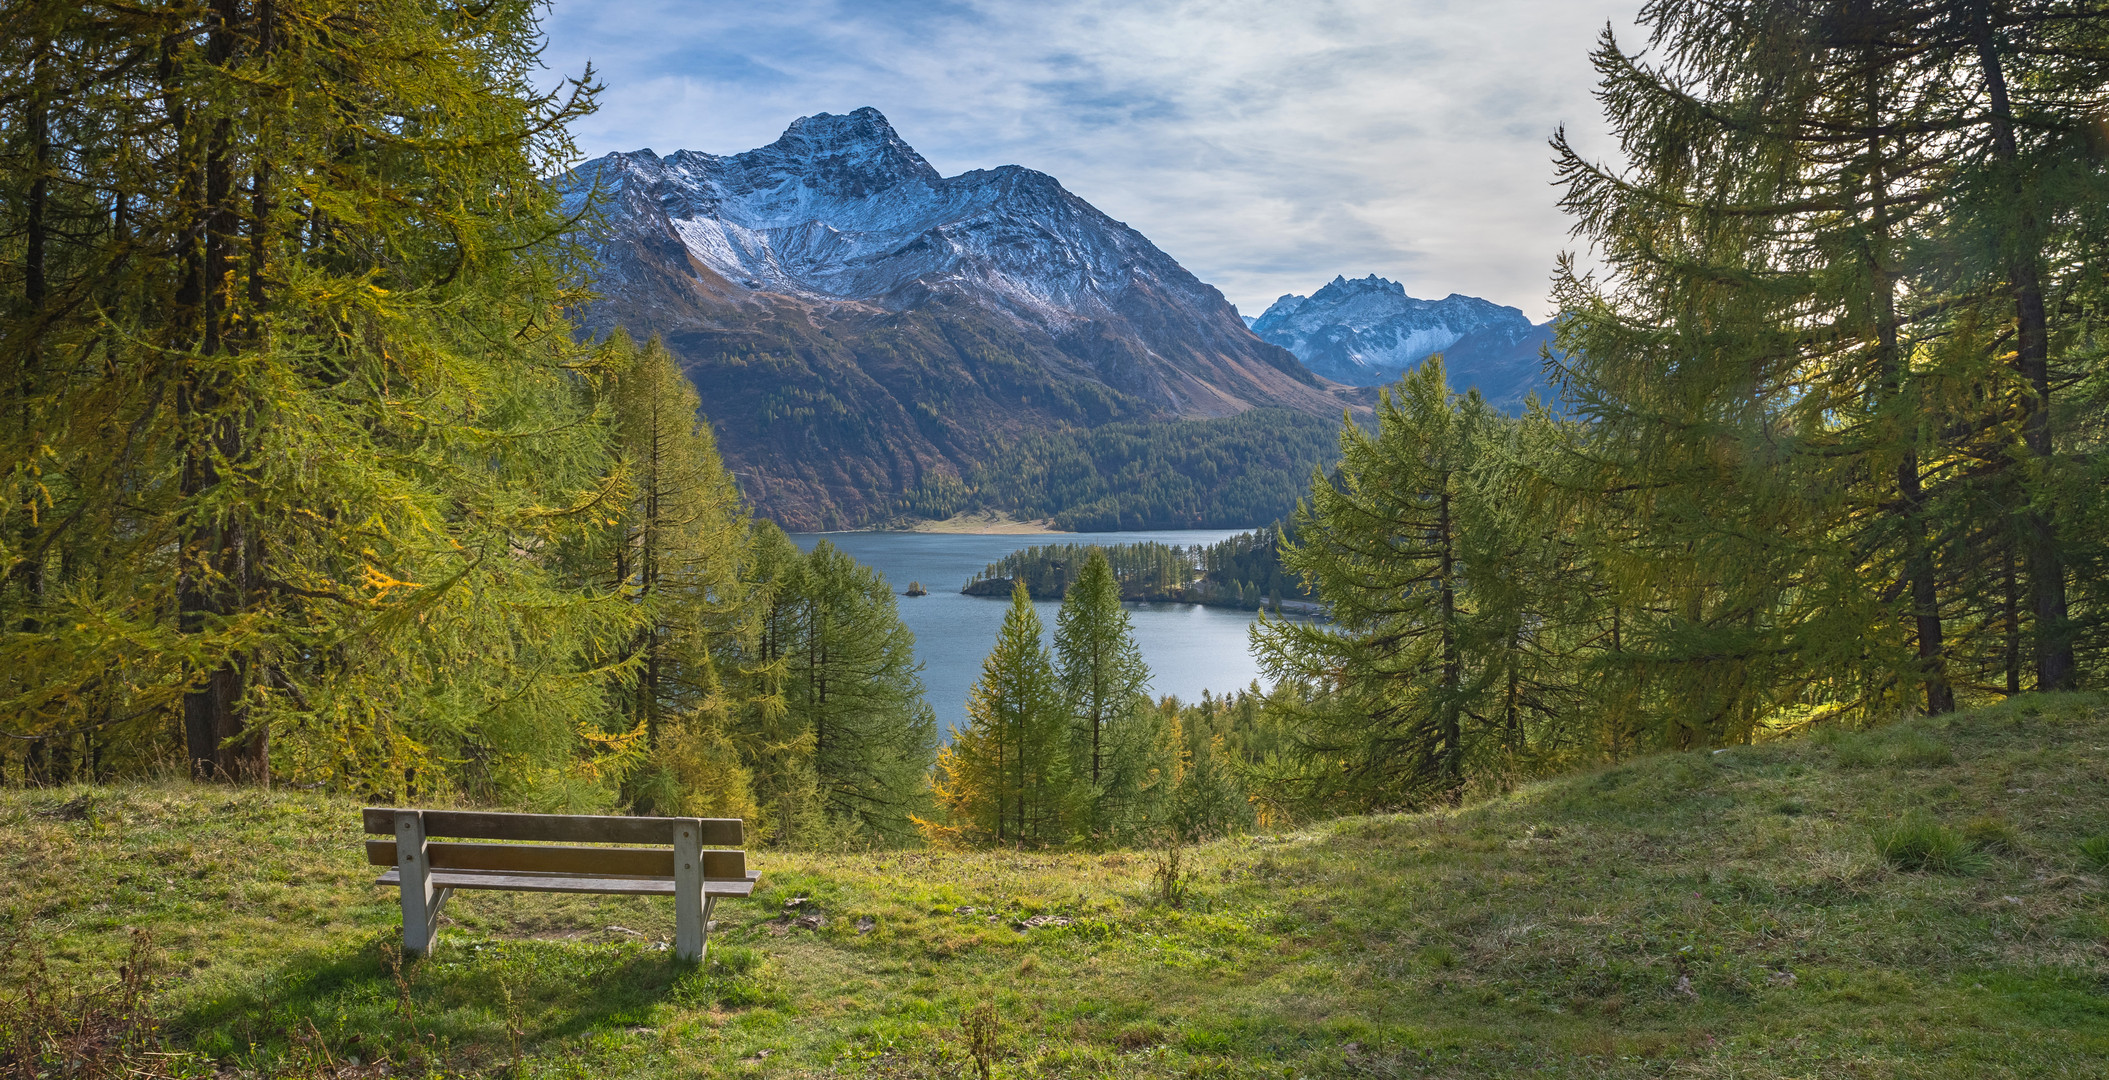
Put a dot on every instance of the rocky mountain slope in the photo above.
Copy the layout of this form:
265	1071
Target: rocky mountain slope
1368	332
862	328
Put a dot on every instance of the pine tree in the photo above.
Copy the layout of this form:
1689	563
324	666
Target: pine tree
1117	752
1006	777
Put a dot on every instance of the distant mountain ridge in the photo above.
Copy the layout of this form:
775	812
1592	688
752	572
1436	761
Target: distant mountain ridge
861	327
1368	332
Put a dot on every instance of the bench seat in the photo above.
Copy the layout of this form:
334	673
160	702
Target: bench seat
570	883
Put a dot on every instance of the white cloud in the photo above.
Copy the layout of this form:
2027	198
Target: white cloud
1266	145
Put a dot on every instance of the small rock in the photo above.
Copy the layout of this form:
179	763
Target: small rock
796	901
623	930
1038	921
810	922
1684	987
962	911
2011	899
1781	978
865	924
640	1031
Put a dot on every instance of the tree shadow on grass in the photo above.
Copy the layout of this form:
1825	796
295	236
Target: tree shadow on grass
471	998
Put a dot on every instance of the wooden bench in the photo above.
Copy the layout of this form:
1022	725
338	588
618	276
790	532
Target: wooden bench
685	868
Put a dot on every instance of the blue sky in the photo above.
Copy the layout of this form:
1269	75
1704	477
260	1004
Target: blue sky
1267	145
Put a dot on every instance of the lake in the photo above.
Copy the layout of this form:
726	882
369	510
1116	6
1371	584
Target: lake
1189	648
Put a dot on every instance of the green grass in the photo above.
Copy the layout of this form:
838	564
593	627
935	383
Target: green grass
1736	914
1920	843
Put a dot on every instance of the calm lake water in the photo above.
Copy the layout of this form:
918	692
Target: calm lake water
1189	647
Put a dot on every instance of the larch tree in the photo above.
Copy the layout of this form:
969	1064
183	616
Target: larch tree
678	551
852	686
1119	754
1006	777
1384	540
1814	359
293	408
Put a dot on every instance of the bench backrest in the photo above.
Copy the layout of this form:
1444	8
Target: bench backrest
551	843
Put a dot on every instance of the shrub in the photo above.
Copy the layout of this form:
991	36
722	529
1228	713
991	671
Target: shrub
2095	851
1919	844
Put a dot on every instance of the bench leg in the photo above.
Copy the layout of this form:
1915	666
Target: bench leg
421	903
710	904
690	918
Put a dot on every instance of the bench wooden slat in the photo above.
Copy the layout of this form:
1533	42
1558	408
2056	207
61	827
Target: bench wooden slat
557	828
551	859
560	883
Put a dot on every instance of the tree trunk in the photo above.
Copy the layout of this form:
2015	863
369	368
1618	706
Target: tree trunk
2010	612
1918	560
1452	768
217	577
2055	663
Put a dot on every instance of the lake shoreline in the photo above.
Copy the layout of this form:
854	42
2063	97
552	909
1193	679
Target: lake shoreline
983	523
1189	648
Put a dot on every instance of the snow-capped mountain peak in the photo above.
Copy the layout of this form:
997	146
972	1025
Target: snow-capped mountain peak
854	319
841	208
1367	331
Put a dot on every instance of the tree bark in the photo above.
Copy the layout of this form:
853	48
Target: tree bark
2055	662
217	576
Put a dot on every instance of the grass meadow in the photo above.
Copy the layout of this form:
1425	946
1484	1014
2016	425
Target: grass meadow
1930	899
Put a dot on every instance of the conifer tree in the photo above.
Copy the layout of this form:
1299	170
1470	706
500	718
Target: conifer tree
837	709
1119	753
1816	359
776	745
1006	777
294	409
678	551
1385	541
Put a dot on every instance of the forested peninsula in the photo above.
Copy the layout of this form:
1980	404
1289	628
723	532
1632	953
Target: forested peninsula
1243	571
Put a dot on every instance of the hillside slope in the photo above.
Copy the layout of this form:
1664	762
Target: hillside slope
859	325
1696	915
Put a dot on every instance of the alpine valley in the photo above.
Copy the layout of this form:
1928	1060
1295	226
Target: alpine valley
874	341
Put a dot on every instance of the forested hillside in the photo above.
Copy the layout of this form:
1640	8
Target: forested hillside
1234	472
